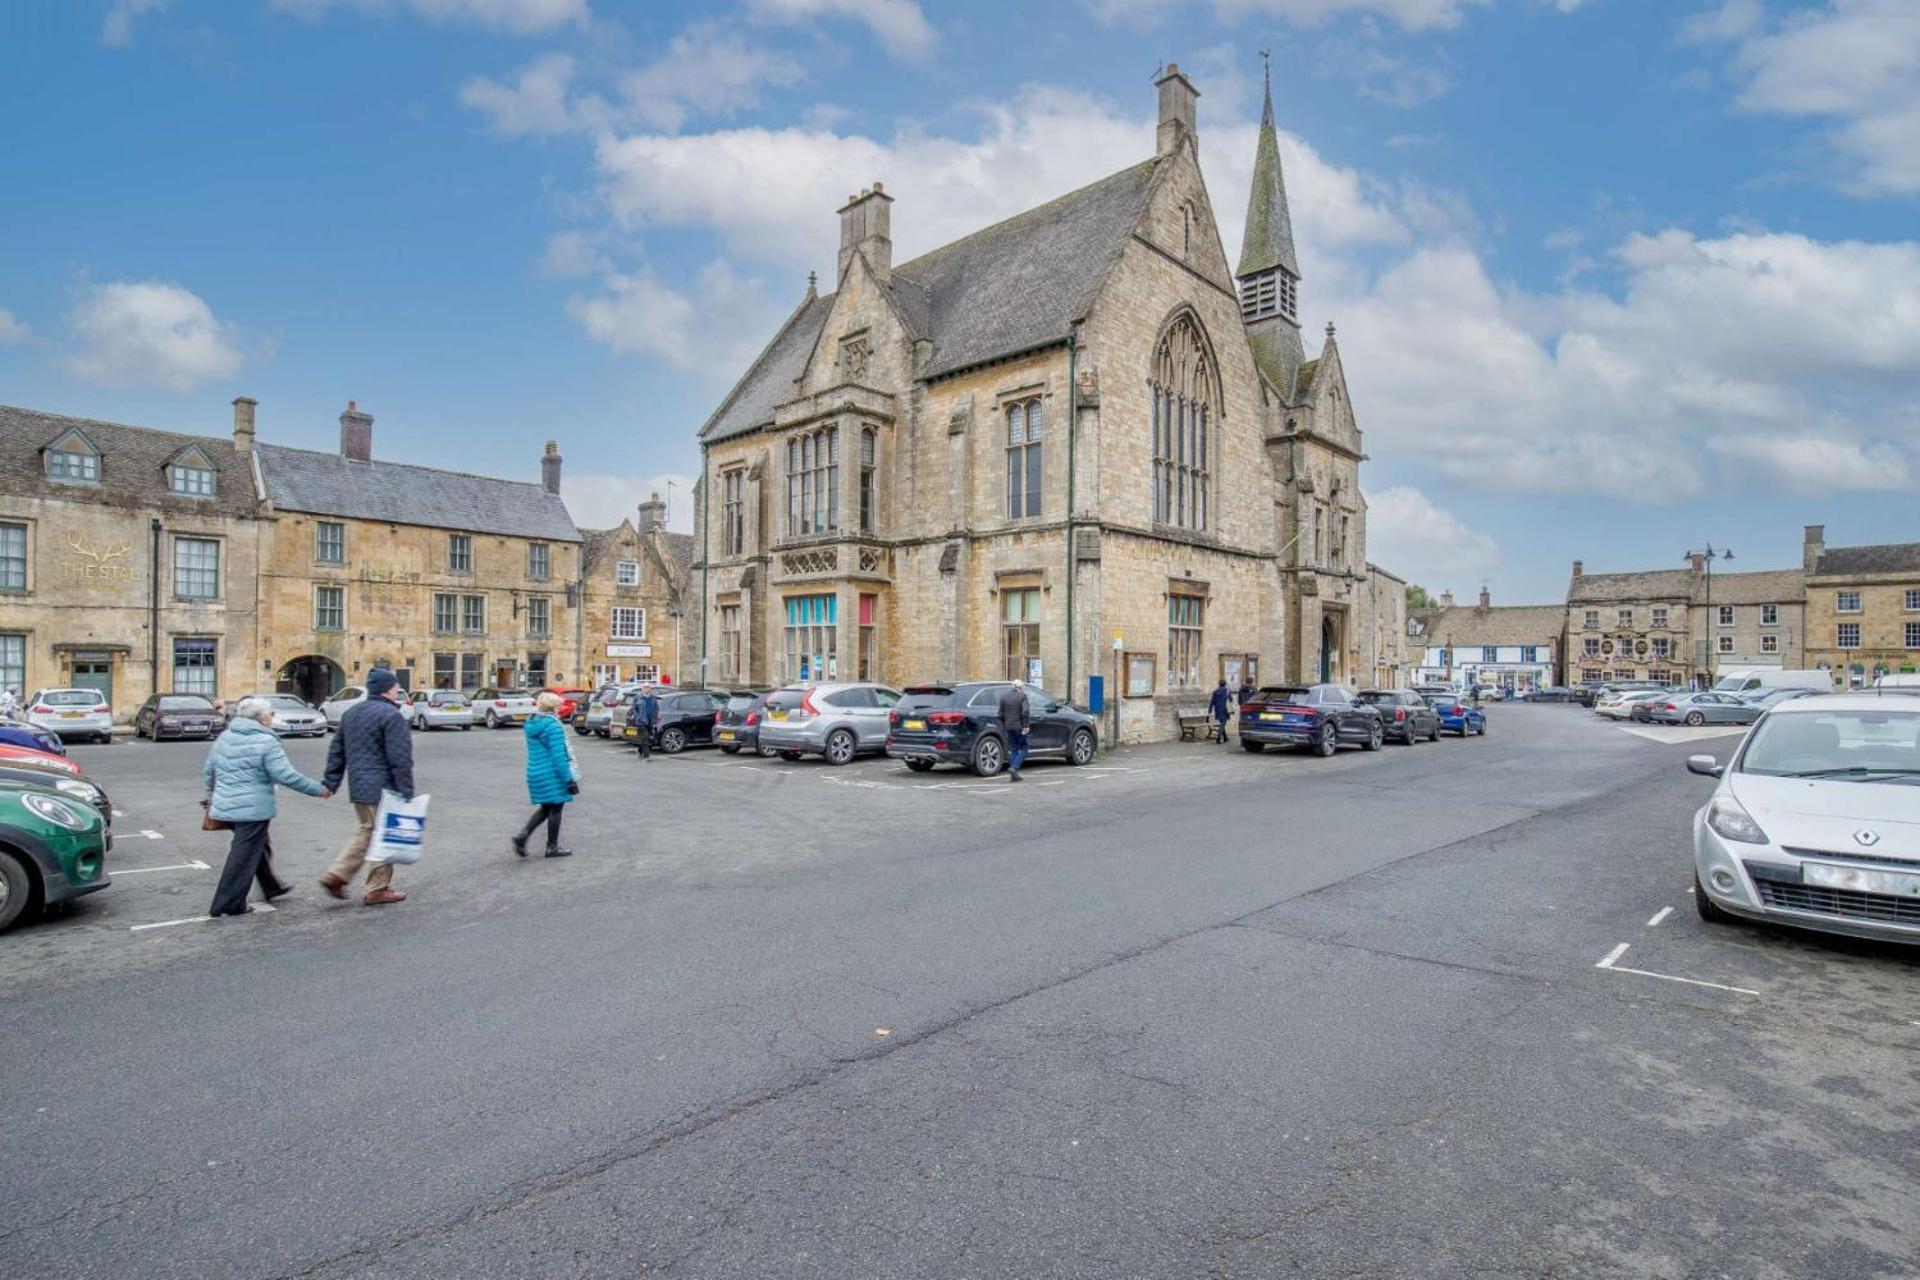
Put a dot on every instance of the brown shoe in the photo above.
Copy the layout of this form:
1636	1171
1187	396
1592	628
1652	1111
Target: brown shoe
381	897
334	885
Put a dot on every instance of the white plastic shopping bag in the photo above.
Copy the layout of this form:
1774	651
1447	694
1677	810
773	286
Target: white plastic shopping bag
399	829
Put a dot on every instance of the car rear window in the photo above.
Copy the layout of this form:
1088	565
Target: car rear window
740	702
74	698
514	693
444	698
925	698
785	699
185	702
1286	693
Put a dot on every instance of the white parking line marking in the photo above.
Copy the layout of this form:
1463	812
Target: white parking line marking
153	835
1609	964
200	919
1659	915
119	813
195	865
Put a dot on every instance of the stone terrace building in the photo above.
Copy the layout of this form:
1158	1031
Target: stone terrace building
1681	625
127	558
1863	608
1516	647
1754	620
1075	428
1384	652
448	578
633	581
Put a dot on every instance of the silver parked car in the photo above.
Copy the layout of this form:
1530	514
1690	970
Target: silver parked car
292	717
600	710
1816	821
836	721
439	709
1702	708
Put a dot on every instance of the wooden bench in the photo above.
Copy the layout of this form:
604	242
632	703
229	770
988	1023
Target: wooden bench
1193	719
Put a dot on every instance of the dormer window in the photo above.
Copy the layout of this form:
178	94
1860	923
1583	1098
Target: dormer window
1270	293
74	459
190	474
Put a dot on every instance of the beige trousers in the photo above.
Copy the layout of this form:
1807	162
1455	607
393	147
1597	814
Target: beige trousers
353	854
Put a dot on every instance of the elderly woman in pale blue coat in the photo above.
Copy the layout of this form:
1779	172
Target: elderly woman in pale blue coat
242	769
551	778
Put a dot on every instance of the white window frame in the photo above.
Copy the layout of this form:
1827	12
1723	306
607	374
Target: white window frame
10	578
73	467
539	617
1769	644
1841	599
629	622
1726	643
1659	615
539	561
1913	635
626	573
1626	619
1912	599
181	542
473	615
1592	622
1769	615
1726	614
329	597
1840	638
190	482
320	529
193	684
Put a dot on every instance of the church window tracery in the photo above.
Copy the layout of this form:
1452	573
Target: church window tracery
1185	398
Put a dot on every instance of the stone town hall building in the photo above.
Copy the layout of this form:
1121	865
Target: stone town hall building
1077	443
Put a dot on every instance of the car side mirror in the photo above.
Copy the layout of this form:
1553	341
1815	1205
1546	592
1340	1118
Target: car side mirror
1705	766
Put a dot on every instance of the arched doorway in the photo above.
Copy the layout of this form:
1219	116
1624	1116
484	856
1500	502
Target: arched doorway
312	678
1329	647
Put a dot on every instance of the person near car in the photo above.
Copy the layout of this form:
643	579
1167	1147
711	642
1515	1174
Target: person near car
373	752
9	701
1247	691
551	779
1016	718
1221	706
643	712
244	765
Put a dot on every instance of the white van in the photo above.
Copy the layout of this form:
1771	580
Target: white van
1903	680
1744	682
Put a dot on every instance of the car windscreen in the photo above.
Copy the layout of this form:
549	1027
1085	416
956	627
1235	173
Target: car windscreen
1379	698
73	698
1864	740
185	702
285	702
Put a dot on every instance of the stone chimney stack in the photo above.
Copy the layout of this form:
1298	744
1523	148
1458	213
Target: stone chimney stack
866	224
243	407
1177	99
1446	599
550	468
1814	547
356	434
653	515
1486	598
1579	567
1699	563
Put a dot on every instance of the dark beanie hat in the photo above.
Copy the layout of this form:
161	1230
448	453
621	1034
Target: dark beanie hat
380	681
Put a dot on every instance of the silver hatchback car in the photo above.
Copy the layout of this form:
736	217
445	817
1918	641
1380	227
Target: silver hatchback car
835	721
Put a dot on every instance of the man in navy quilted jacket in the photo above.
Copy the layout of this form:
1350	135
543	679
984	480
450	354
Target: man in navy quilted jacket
373	751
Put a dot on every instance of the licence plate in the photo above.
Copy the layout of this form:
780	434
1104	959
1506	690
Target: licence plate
913	724
725	735
1861	880
1273	716
776	715
72	715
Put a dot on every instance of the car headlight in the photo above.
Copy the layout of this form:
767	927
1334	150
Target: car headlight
1728	819
56	811
86	792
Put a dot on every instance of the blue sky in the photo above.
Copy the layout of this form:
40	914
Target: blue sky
1612	277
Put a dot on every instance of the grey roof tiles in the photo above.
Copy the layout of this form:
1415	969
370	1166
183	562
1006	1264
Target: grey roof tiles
329	485
1892	557
133	462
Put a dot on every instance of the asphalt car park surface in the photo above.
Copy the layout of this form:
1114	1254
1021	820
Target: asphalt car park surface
1434	1010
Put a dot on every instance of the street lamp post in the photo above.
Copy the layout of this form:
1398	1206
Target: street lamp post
1725	553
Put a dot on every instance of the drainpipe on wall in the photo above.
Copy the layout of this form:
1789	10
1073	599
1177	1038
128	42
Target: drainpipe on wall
153	613
1073	415
706	547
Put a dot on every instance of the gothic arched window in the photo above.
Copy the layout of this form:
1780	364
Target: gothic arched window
1185	408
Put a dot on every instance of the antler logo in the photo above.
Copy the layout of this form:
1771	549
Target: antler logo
78	544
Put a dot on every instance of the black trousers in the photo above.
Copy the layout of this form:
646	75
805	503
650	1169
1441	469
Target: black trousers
645	743
549	814
249	857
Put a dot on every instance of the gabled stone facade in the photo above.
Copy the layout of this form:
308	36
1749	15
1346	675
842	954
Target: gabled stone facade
1050	450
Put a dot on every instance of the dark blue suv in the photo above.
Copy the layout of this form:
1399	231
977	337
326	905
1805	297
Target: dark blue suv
1318	717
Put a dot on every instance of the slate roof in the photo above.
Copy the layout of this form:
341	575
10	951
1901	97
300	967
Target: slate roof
1891	557
1509	624
327	484
1652	584
679	549
1014	286
594	545
1765	586
133	464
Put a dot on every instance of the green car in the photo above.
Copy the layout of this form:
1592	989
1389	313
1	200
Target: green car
53	848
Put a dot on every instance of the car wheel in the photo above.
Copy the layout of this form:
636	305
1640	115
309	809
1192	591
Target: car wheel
789	755
989	757
673	741
1376	738
1329	740
768	753
493	721
839	748
729	751
920	766
1708	909
1695	719
1255	747
1482	730
1080	750
16	890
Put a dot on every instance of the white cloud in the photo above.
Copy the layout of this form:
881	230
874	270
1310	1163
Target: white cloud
1423	542
1391	78
574	253
116	28
707	68
1855	64
535	103
1413	15
1814	464
521	16
601	500
636	313
12	329
153	333
898	24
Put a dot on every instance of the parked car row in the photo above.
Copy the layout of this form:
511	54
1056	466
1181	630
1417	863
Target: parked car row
1320	717
56	829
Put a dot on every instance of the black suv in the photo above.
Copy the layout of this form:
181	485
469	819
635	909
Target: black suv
684	719
738	726
959	723
1404	714
1317	716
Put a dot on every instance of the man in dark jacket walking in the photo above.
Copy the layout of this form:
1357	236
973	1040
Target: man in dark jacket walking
644	710
1221	705
1017	719
374	752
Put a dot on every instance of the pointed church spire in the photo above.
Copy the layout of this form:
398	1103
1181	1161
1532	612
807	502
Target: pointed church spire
1268	242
